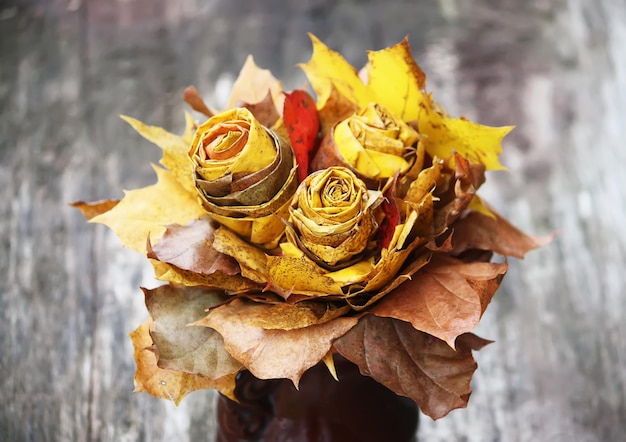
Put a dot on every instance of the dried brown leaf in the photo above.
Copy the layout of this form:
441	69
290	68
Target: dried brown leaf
252	85
446	298
89	210
189	247
335	108
192	98
264	111
270	354
478	231
412	363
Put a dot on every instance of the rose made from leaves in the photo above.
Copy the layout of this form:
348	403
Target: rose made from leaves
372	142
244	174
334	217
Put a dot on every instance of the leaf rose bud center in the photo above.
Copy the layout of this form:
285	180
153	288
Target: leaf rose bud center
225	140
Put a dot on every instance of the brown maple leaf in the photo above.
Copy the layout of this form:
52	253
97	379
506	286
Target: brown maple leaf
412	363
446	298
273	353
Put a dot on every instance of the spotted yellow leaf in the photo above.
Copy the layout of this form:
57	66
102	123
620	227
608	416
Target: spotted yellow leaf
397	80
393	79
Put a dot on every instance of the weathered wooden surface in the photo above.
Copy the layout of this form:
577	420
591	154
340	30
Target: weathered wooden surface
69	295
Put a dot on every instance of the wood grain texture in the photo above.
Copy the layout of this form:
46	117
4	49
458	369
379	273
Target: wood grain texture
69	294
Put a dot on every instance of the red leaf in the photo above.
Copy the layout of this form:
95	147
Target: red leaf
422	368
392	218
302	123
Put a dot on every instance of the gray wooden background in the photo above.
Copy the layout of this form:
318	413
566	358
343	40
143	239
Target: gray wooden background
69	294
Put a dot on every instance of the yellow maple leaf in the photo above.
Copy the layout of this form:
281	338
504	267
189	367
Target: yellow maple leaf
397	80
393	79
327	69
477	143
148	210
174	148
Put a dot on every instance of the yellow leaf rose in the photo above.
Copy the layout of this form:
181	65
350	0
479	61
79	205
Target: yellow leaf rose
244	175
372	141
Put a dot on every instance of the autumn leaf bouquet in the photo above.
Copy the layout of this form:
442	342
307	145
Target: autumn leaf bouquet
289	229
